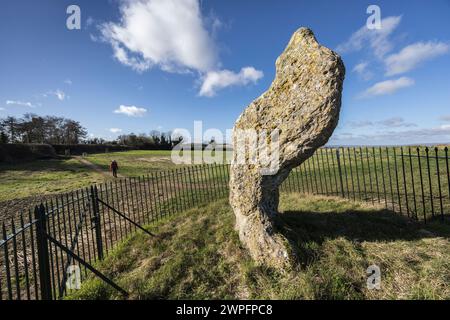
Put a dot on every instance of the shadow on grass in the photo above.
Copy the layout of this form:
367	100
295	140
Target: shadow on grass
42	165
307	229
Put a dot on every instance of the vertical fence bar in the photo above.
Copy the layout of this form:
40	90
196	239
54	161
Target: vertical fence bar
340	172
191	185
345	173
375	169
390	179
351	173
412	182
382	176
325	174
56	270
448	173
363	173
429	180
15	260
97	222
397	182
334	171
318	170
404	182
370	176
436	150
43	254
6	257
329	171
357	173
51	247
421	185
33	255
25	258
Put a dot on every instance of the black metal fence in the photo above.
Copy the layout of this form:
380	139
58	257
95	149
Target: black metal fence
412	181
42	251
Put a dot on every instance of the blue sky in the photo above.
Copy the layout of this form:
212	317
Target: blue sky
141	65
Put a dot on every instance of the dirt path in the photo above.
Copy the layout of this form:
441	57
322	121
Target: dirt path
95	167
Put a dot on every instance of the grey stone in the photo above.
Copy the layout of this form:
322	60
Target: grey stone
303	103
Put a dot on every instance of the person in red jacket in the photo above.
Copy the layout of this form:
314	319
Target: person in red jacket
113	167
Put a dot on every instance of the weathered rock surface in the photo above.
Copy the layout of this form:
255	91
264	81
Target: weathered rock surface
303	103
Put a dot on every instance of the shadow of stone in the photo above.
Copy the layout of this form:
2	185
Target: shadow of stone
308	230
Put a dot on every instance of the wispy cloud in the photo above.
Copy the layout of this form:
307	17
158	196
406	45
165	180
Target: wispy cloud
362	70
394	122
61	95
169	34
376	39
445	118
20	103
115	130
68	82
411	56
131	111
436	134
216	80
387	87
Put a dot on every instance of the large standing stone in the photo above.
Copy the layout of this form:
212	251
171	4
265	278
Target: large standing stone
303	103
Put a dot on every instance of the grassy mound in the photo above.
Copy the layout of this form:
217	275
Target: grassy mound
197	255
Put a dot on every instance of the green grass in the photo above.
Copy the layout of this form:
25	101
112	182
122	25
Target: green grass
197	255
43	177
134	163
139	162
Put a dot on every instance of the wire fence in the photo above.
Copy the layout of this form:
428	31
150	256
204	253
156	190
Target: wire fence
43	251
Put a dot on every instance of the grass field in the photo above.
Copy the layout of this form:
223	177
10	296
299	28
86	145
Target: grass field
405	181
197	255
44	177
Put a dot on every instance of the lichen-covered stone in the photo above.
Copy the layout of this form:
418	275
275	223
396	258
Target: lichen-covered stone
303	103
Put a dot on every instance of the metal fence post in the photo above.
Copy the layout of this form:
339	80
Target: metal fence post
97	222
340	172
42	253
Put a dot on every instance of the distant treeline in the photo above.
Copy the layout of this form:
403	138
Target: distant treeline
154	141
34	129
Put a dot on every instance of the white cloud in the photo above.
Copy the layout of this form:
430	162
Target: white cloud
68	81
131	111
171	35
61	95
411	56
362	71
216	80
388	87
2	109
377	39
115	130
20	103
167	33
